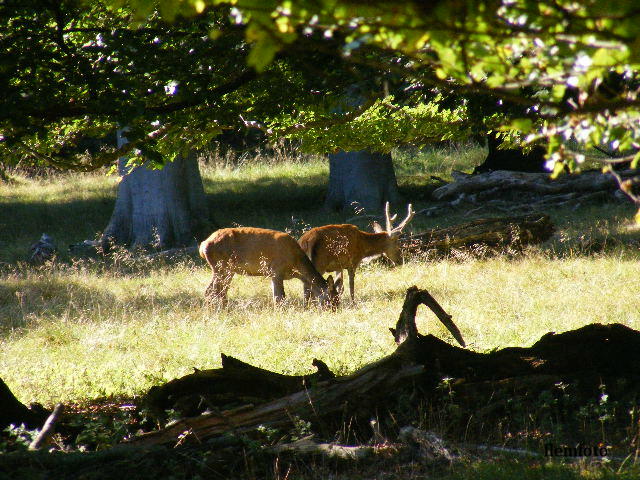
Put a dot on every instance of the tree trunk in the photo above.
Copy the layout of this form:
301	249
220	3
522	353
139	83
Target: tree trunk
361	180
511	158
161	208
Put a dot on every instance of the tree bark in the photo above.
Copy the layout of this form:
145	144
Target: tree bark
163	208
511	158
14	412
361	179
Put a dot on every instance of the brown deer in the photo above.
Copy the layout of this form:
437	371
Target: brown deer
333	248
266	253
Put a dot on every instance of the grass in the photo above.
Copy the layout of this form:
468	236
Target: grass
76	331
63	340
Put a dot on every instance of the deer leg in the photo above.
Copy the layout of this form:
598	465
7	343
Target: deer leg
209	291
277	285
223	288
217	289
339	282
352	274
306	294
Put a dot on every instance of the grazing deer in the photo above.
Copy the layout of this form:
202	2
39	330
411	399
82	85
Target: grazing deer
261	252
333	248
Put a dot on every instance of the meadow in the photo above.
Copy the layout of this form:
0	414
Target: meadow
75	331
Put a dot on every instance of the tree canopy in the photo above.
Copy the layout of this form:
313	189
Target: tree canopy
183	70
74	73
570	66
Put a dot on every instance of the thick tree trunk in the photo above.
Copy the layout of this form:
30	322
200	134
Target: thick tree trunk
161	208
511	158
361	180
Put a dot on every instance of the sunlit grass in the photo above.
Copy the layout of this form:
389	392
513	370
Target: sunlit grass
438	161
72	332
79	335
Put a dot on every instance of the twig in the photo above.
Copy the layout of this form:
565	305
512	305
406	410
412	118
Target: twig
626	185
331	450
47	428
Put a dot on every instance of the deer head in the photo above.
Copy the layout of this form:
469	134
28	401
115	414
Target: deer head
392	251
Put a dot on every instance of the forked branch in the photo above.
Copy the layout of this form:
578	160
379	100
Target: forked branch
406	327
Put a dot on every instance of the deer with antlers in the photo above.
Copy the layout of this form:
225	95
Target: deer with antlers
333	248
262	252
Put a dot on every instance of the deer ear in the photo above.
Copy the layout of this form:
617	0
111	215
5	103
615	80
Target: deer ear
330	282
377	227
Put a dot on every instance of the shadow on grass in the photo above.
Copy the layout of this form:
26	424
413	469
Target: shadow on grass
24	303
22	224
597	229
268	202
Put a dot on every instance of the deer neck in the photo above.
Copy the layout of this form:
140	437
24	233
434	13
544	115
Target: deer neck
375	243
309	272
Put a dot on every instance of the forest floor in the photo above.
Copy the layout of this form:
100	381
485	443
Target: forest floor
97	336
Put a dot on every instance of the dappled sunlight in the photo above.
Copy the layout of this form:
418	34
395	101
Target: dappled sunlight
73	331
65	207
70	188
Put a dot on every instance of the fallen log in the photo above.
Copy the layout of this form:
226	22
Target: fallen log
541	183
496	233
16	413
307	446
485	384
236	383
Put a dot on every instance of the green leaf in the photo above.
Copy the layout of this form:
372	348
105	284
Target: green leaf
558	169
523	125
558	91
262	53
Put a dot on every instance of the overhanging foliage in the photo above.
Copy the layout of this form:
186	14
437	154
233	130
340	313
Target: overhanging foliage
538	71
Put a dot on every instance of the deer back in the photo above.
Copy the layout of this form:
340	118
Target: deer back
336	247
256	251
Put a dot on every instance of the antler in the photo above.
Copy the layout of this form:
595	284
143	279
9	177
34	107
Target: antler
399	228
388	220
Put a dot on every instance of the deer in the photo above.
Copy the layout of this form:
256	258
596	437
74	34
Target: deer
262	252
332	248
